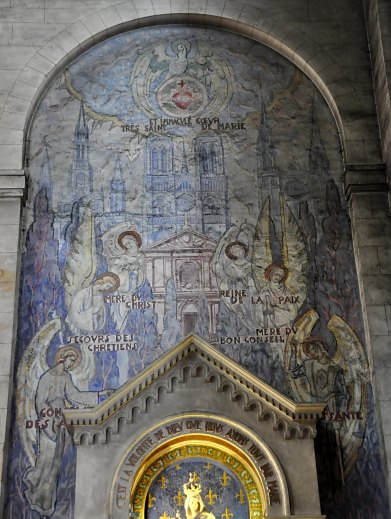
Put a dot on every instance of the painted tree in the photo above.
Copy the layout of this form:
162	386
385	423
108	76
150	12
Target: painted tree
172	332
308	227
335	267
41	298
202	323
81	265
41	289
70	233
142	323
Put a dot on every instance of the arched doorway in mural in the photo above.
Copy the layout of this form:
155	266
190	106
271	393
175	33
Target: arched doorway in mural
197	477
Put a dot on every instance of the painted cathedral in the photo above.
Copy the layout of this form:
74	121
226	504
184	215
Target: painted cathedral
227	222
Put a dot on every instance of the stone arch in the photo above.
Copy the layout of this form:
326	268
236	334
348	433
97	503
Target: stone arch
321	68
246	451
361	129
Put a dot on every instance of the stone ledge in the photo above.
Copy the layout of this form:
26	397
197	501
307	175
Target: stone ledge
12	183
365	178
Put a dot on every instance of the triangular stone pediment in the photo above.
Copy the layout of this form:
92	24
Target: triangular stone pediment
186	239
199	358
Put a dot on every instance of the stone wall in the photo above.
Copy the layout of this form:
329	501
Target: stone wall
328	42
378	17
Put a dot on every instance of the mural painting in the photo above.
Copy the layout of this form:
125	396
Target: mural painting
186	180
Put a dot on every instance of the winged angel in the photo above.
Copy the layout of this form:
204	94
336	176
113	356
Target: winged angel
42	392
84	293
339	379
243	264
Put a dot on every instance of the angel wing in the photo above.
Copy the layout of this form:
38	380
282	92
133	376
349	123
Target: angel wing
294	354
246	235
148	68
220	261
31	367
79	273
294	253
218	256
231	276
350	356
262	255
82	260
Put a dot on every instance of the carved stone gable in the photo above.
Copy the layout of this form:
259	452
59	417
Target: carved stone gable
194	358
187	239
195	404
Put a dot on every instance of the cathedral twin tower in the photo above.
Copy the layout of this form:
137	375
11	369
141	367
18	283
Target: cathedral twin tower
177	191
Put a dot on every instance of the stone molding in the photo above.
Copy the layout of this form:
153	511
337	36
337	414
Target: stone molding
365	178
12	184
193	357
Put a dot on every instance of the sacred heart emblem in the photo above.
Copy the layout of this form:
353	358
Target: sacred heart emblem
183	97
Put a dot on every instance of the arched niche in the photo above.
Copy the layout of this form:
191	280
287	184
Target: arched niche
243	490
262	151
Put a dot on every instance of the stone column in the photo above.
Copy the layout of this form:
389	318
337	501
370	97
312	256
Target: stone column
378	22
12	184
366	189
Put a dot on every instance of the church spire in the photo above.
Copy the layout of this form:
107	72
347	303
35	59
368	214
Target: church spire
318	160
268	174
46	173
265	150
81	169
81	127
118	190
185	167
